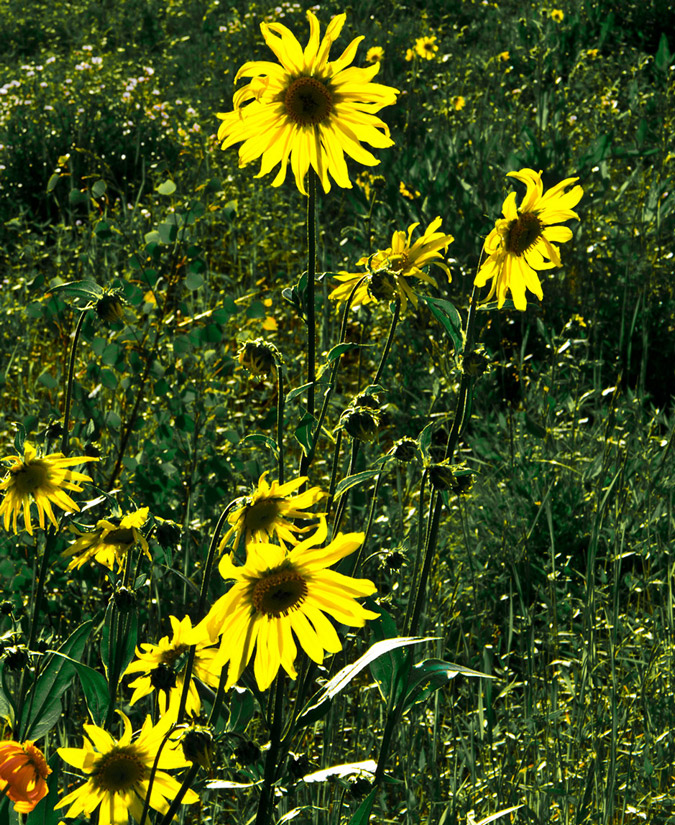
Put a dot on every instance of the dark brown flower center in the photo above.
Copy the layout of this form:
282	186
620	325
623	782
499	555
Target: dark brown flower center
279	592
30	477
174	653
308	101
398	261
261	515
119	770
522	233
37	760
122	537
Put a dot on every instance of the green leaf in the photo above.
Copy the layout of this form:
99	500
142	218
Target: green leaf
53	180
425	440
193	281
293	394
303	432
340	349
430	675
508	304
446	314
94	687
166	188
168	232
47	380
242	710
42	708
362	813
354	480
663	57
99	188
319	703
81	289
123	654
261	440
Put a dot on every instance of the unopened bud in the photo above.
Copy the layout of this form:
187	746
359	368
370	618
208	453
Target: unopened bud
259	358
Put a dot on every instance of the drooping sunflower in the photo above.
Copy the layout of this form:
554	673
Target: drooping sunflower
389	270
525	239
119	772
42	479
23	771
162	667
278	595
308	109
110	541
266	511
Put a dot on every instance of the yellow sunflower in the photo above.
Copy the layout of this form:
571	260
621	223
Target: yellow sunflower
23	771
524	239
43	479
158	663
110	541
280	594
389	269
119	773
308	109
374	54
426	47
266	511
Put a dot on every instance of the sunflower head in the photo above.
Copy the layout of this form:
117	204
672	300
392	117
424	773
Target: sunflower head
307	110
23	771
525	239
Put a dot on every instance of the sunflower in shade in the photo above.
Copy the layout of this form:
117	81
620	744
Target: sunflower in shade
525	239
23	771
307	109
119	773
163	666
279	596
43	480
390	270
266	512
110	541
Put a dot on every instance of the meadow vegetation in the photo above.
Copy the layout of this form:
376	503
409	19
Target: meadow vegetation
155	319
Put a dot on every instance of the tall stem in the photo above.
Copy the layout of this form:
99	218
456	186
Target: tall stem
69	382
280	421
265	802
390	338
311	279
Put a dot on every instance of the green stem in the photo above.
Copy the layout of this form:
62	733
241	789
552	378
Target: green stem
69	382
436	501
50	540
342	504
265	802
203	593
307	459
311	279
280	421
390	338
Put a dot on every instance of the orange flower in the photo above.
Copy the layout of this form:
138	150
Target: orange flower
23	770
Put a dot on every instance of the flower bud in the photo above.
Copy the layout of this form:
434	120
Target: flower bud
167	533
441	476
110	307
247	752
198	746
405	449
125	599
259	358
359	424
474	364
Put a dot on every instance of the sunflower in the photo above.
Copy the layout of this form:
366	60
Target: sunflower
426	47
162	667
374	54
266	512
389	269
119	773
45	480
308	109
524	239
23	771
110	541
278	594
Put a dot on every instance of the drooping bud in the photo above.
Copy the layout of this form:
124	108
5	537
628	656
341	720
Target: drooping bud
259	358
110	307
198	746
405	449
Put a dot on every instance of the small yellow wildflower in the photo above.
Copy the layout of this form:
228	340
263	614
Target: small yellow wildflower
375	54
503	56
426	47
557	15
458	102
